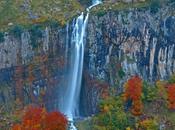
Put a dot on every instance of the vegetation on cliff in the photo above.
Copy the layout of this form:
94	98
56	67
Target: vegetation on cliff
152	5
32	118
37	118
26	12
122	112
128	110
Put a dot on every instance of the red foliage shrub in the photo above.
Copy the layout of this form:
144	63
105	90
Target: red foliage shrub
55	121
36	118
133	92
137	107
171	96
17	127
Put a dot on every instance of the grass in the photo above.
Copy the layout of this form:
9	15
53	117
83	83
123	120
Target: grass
161	113
118	6
84	124
152	5
12	11
61	11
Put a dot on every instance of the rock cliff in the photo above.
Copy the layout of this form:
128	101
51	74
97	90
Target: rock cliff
125	43
119	44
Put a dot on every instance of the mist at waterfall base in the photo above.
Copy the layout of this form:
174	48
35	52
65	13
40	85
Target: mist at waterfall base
74	54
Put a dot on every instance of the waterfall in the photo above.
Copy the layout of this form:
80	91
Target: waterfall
70	106
95	2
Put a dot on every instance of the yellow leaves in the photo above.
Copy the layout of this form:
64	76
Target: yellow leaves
148	124
106	108
37	126
124	97
161	89
137	108
128	128
145	123
137	125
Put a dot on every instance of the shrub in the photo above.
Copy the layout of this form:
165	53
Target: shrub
36	33
149	92
36	118
16	31
172	79
121	73
53	24
111	116
55	121
149	124
133	93
171	96
161	89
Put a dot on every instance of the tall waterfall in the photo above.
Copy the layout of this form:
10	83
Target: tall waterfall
70	106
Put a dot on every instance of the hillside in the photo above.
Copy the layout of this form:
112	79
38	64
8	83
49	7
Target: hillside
27	12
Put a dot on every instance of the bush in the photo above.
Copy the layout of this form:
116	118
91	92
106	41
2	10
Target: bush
172	79
36	33
36	118
171	96
121	73
149	124
111	116
16	31
53	24
133	93
149	92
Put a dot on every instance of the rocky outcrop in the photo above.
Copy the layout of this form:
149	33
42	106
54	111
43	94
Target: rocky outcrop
32	66
129	42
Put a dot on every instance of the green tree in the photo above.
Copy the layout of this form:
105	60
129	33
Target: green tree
112	115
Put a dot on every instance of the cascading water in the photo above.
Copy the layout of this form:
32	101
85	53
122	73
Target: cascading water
71	98
95	2
75	74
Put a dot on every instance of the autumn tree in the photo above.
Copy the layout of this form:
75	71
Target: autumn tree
133	92
148	124
36	118
55	121
171	96
111	116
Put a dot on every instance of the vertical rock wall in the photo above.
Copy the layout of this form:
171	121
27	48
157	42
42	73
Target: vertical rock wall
125	43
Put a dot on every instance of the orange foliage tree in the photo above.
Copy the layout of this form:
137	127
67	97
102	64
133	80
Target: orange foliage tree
171	96
133	92
36	118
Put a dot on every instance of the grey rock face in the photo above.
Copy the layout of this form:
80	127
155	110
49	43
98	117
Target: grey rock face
126	43
27	71
141	41
119	45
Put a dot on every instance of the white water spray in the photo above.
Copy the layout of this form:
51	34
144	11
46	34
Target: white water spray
75	75
95	2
